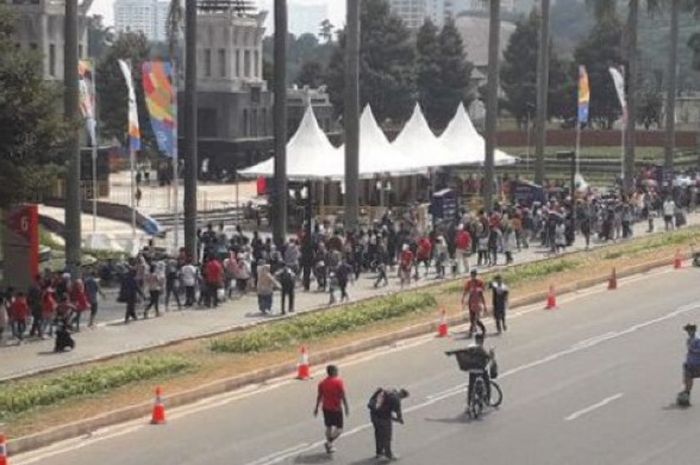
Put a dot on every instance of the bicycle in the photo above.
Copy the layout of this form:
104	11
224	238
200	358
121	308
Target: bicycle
475	405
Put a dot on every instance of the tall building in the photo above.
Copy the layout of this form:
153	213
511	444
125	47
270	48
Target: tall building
39	27
455	7
414	12
147	16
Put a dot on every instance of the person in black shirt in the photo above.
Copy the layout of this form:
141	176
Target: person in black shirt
500	302
385	408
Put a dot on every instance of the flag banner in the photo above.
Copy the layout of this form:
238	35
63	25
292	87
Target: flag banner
86	86
584	95
134	131
161	101
619	80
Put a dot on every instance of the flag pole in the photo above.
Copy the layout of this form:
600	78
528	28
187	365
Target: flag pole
132	162
94	155
176	179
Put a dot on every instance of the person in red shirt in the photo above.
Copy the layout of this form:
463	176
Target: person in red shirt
214	274
19	312
473	298
423	253
80	301
463	243
331	396
405	265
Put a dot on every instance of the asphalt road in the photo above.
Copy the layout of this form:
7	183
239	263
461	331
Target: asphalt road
590	383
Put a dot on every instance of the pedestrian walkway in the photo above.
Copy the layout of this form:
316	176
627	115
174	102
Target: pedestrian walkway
113	337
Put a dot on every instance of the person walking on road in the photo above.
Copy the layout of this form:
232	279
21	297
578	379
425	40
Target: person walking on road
34	300
189	281
92	289
19	312
266	288
287	280
691	367
473	299
384	409
669	209
154	285
129	293
331	397
499	292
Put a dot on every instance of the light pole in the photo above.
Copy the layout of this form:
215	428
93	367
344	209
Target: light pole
352	114
279	190
492	101
70	80
542	91
190	120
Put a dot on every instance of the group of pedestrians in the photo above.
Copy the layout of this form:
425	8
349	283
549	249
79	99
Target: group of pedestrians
54	304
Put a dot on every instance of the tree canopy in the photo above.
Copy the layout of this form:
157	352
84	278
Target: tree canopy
32	128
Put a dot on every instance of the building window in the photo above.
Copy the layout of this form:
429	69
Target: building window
207	62
256	64
222	62
238	63
246	63
244	125
52	60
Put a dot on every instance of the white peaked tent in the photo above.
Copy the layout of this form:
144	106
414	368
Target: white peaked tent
377	155
466	144
417	142
309	154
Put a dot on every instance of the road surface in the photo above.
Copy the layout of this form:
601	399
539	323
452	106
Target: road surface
590	383
113	337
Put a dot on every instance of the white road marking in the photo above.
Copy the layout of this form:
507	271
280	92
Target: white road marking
248	391
593	407
283	453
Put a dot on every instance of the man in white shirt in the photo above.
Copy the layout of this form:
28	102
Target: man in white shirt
189	280
669	208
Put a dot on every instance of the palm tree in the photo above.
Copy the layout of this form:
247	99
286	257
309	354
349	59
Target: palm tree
492	101
173	26
542	90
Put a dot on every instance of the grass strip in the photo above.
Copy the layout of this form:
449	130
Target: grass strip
21	396
312	326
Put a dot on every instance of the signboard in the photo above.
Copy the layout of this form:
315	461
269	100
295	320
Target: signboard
20	242
444	205
526	193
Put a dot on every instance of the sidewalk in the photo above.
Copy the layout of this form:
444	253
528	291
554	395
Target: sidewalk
113	337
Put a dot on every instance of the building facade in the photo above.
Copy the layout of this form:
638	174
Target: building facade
147	16
415	12
40	28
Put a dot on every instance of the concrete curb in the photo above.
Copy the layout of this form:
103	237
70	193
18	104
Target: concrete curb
87	426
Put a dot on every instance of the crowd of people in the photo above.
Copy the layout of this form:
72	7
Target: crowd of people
329	259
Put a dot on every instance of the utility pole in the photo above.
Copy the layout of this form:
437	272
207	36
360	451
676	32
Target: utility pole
190	120
542	92
279	189
351	115
630	130
70	108
492	102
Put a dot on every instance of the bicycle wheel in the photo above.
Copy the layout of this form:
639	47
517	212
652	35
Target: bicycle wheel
496	395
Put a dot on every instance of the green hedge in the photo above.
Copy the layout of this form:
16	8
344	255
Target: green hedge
20	396
307	327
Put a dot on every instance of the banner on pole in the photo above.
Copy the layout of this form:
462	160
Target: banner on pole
134	131
161	101
584	95
86	86
619	80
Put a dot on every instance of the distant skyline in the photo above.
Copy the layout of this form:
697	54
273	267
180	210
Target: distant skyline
336	10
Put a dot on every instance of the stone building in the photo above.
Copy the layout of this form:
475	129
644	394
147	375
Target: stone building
39	27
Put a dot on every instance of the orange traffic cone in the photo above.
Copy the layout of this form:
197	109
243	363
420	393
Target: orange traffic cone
551	299
612	283
303	371
158	417
3	451
677	260
442	326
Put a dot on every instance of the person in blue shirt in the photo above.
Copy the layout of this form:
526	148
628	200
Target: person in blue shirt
691	367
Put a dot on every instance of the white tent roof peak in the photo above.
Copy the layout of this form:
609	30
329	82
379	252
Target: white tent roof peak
418	142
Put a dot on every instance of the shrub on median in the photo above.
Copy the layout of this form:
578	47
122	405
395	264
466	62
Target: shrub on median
20	396
310	326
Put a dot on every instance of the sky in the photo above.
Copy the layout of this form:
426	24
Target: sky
336	9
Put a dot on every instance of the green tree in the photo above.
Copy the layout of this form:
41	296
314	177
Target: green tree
326	30
311	74
650	105
455	75
387	64
597	53
100	37
32	129
112	90
519	76
428	66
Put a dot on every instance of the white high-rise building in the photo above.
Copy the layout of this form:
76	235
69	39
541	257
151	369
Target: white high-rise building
414	12
147	16
455	7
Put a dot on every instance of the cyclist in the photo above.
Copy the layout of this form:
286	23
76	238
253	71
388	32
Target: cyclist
479	361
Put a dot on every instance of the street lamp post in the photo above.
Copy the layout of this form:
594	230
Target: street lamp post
492	101
352	114
279	191
191	163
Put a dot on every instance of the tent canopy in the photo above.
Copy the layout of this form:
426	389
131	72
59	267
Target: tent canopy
418	143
